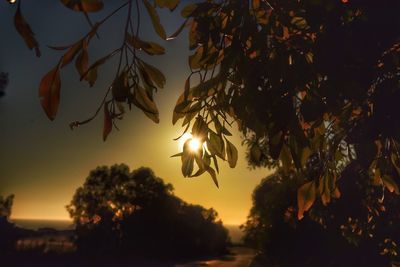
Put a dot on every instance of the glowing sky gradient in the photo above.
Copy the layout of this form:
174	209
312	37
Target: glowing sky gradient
43	162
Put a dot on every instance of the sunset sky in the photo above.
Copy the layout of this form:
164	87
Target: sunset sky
43	162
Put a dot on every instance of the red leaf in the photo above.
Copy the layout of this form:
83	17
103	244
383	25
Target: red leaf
49	92
107	127
84	5
82	61
25	31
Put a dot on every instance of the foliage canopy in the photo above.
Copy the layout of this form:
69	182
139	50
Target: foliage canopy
346	233
313	85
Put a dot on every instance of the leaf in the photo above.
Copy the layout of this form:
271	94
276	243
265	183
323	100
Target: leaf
305	155
196	58
93	68
177	155
91	76
82	61
216	163
200	128
305	198
71	53
25	31
146	104
390	184
84	5
107	126
218	126
309	57
216	145
170	4
155	74
213	175
120	87
178	31
299	22
188	10
232	154
49	92
187	159
324	188
155	19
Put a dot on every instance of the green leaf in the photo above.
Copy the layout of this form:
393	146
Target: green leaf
155	19
231	153
305	198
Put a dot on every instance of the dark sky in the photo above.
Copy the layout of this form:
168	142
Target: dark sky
43	162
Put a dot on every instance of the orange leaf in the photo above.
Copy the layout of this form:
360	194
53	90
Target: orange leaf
305	198
83	5
82	61
25	31
49	92
71	53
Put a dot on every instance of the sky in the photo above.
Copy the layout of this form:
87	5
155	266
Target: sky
44	162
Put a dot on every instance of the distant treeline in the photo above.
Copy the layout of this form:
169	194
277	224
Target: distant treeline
131	215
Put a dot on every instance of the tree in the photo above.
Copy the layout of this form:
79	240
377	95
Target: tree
355	230
122	212
313	85
8	231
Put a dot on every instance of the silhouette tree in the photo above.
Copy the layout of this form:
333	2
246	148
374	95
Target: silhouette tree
8	231
313	85
122	212
355	230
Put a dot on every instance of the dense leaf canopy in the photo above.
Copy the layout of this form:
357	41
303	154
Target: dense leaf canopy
313	85
355	230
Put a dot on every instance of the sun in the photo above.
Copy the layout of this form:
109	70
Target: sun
194	143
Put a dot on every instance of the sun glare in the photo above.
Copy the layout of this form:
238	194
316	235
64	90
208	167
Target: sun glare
194	143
